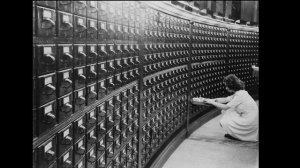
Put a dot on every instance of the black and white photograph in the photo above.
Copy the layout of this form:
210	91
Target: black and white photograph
145	84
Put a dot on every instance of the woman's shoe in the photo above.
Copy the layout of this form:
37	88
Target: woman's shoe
231	137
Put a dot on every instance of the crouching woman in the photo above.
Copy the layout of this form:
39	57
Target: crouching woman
240	111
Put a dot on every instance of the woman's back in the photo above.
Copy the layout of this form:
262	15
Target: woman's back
247	102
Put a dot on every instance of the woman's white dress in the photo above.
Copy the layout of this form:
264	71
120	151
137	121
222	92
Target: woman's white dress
241	119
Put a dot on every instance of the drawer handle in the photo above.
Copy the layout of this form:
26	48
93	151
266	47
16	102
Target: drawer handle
49	90
94	28
81	100
48	20
93	52
83	26
68	56
94	94
92	139
94	74
69	25
49	118
67	164
92	158
67	140
81	150
82	77
102	88
81	129
81	53
49	155
49	59
67	83
67	108
101	147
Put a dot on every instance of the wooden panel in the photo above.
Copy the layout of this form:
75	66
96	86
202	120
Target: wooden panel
213	6
247	10
209	5
220	7
228	9
236	10
255	15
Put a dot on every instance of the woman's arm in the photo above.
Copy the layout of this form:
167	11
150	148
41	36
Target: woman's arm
216	104
234	101
222	100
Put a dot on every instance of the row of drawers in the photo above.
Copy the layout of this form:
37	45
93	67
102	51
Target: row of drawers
248	36
238	51
208	79
246	62
66	25
121	14
244	37
159	66
239	55
201	33
209	66
158	37
247	47
55	85
165	79
94	52
49	61
208	39
48	58
243	41
164	58
48	23
204	55
199	26
243	34
208	46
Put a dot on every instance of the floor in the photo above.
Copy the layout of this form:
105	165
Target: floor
208	148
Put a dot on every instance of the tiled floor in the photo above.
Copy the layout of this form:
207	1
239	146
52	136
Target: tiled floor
207	148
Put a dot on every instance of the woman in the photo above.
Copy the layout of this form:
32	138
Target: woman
240	119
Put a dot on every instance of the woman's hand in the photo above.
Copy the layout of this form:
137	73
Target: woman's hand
198	100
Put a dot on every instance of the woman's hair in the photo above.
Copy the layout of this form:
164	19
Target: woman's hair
233	82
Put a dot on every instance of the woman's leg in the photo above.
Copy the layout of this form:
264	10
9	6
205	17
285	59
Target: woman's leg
224	123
